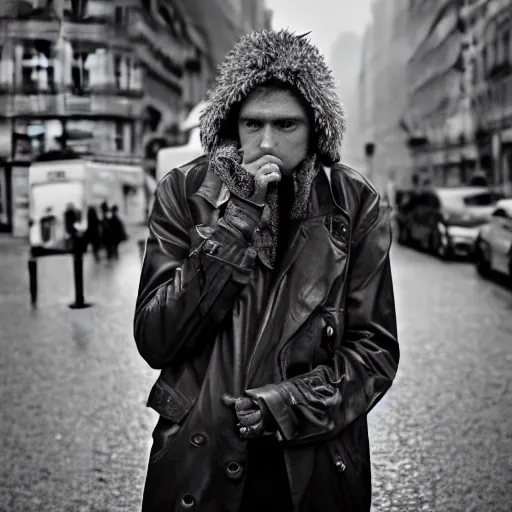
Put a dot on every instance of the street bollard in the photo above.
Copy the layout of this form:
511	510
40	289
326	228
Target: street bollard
32	274
78	274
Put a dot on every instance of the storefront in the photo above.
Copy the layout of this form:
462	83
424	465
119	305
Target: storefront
61	189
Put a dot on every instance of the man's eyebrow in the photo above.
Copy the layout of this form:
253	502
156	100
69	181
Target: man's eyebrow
263	117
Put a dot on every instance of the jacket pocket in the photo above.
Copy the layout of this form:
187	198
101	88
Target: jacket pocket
313	344
339	231
164	435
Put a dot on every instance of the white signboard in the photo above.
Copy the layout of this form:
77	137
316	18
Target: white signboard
20	202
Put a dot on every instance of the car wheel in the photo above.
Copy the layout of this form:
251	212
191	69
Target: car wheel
441	245
482	258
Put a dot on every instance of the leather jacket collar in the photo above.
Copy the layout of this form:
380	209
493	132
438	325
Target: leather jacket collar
216	192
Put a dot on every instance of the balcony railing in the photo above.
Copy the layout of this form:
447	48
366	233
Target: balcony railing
158	39
157	68
93	33
97	104
31	29
498	106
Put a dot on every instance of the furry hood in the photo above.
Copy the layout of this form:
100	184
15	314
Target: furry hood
266	55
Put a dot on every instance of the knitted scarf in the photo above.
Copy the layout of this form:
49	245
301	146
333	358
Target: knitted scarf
225	163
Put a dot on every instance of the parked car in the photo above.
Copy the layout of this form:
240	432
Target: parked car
493	247
445	220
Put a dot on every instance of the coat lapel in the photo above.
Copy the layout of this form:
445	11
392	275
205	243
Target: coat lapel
316	258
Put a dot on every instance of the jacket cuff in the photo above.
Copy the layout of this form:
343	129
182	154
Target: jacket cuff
244	215
279	402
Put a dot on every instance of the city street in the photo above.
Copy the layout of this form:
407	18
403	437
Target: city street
76	433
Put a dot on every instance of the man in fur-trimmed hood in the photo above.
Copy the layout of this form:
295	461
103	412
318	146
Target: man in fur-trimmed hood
266	299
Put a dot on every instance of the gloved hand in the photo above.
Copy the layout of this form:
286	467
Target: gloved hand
249	414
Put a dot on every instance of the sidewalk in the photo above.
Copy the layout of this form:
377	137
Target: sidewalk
75	430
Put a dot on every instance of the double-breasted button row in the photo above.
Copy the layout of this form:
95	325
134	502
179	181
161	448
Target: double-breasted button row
234	470
198	439
340	466
212	247
188	501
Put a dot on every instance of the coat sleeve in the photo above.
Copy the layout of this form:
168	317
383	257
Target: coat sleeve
191	275
321	403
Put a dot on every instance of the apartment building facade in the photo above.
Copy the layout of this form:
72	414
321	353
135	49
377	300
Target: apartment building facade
106	79
383	92
223	22
489	26
438	118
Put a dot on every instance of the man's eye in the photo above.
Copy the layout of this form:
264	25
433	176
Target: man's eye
252	125
287	125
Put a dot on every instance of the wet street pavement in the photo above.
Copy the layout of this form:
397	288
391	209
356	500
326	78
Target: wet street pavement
75	432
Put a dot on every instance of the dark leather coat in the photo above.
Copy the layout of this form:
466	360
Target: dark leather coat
315	340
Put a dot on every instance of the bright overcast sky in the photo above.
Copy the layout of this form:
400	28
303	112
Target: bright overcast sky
324	18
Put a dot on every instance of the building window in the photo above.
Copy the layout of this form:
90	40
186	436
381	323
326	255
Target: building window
133	140
119	16
506	47
37	71
135	79
146	4
496	55
117	70
124	69
80	74
119	136
75	9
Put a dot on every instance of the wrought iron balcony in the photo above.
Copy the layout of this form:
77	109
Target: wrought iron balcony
31	29
97	103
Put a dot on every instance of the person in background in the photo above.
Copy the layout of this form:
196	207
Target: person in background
117	231
47	223
266	299
93	233
71	218
105	225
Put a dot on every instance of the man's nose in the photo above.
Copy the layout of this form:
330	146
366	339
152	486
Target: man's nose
267	138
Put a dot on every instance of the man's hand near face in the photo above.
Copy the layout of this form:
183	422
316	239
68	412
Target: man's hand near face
265	169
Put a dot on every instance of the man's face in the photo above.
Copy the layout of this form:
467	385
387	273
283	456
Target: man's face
274	122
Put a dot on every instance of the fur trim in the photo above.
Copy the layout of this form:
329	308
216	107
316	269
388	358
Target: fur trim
265	55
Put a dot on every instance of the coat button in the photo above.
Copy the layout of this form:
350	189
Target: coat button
188	501
234	470
198	440
340	466
212	247
329	331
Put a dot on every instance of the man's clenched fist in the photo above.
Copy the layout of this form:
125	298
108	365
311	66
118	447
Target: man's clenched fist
249	416
265	170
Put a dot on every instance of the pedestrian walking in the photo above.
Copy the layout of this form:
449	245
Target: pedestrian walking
266	299
71	219
48	224
93	234
106	231
117	231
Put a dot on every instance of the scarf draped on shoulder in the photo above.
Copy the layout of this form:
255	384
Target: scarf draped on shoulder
226	164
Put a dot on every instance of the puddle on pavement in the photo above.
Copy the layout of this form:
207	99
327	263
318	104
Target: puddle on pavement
82	324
